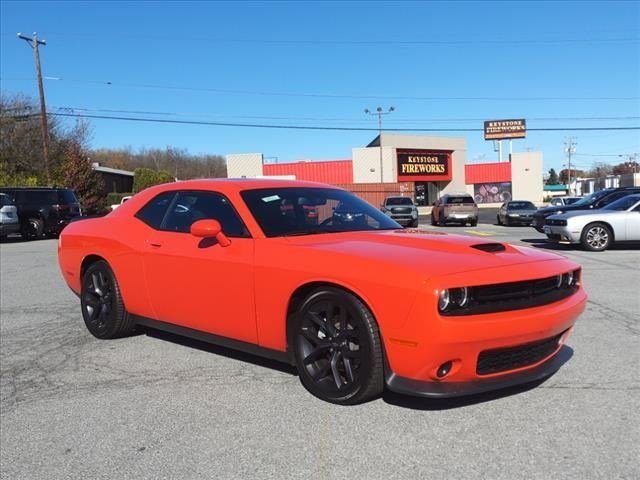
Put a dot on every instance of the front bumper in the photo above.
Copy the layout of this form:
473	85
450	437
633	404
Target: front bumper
9	228
561	234
404	219
426	341
408	386
525	220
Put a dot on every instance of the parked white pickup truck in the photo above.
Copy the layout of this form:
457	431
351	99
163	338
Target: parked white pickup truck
124	199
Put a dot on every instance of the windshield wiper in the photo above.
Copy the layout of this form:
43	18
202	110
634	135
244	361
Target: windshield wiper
300	233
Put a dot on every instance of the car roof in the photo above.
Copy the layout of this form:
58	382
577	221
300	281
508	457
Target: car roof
227	185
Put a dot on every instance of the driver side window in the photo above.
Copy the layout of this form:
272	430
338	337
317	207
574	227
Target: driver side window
191	206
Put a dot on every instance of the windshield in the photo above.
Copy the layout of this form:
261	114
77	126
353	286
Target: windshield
307	211
521	206
625	203
399	201
589	199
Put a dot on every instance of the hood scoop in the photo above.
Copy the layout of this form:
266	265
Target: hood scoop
490	247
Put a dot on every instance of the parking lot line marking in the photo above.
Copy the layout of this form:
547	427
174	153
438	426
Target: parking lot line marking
477	232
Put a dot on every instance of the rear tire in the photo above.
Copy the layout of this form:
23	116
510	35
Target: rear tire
102	306
474	223
596	237
414	224
498	219
337	348
33	229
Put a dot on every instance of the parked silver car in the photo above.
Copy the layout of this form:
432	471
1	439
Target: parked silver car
402	210
516	212
9	222
596	230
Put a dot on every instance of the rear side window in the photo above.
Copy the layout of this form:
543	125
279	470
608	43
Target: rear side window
67	196
191	206
153	212
460	200
5	200
37	197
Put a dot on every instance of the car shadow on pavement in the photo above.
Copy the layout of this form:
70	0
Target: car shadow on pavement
546	244
436	404
218	350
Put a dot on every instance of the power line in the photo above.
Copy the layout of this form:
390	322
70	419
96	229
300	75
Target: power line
390	42
332	95
309	127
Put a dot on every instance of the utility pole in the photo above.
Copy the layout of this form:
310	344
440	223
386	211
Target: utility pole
569	148
35	43
379	113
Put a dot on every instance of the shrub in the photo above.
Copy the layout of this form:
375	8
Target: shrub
145	178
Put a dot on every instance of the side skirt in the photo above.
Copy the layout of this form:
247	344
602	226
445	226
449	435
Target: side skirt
213	339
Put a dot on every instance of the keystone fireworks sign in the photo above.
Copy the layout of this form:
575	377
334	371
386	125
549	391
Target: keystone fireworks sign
501	129
423	165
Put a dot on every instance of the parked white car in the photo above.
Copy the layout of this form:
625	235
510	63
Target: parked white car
124	199
596	230
562	201
9	222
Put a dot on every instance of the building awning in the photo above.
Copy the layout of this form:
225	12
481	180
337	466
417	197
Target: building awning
331	171
555	188
487	173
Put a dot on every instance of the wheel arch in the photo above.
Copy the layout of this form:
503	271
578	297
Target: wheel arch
296	299
602	222
90	259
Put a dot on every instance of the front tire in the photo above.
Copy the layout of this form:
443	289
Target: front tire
596	237
337	347
102	306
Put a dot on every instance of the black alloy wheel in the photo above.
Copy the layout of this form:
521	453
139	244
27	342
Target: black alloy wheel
337	348
102	306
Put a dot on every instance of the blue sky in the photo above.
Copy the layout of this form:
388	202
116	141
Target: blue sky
245	62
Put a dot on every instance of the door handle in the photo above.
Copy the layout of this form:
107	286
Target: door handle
154	243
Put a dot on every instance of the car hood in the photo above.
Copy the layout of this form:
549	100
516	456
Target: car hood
583	213
424	251
568	208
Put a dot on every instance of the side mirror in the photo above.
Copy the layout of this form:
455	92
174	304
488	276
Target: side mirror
210	228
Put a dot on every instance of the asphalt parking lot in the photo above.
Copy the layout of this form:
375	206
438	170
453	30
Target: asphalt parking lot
156	406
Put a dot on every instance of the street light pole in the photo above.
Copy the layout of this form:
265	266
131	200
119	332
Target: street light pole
35	43
379	112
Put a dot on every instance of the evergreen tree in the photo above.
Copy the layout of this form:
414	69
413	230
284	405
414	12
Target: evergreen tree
553	177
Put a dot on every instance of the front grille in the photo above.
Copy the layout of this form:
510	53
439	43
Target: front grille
401	210
502	297
511	358
555	221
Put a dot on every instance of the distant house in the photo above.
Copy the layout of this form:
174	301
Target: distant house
115	180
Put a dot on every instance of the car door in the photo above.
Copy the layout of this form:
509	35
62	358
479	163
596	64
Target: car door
632	222
195	282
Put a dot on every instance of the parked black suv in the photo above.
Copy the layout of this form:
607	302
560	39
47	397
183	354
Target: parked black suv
43	210
596	200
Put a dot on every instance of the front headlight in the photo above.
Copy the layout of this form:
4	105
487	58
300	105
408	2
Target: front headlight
443	300
453	298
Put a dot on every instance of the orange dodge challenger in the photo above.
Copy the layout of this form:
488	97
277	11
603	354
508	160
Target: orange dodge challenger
312	275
